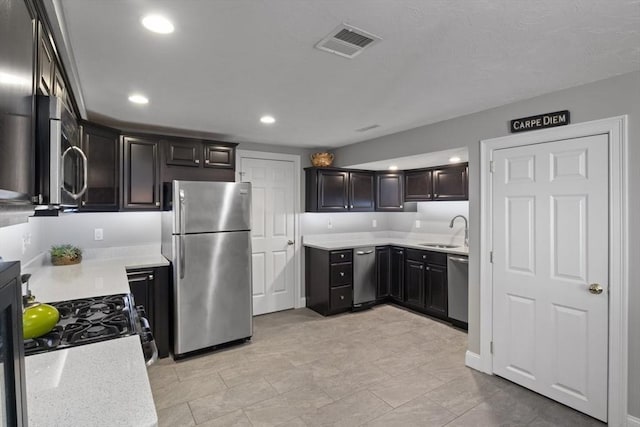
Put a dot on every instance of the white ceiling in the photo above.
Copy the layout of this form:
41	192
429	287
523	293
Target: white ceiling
231	61
437	158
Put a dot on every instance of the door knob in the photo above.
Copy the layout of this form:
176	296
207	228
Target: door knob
290	242
595	288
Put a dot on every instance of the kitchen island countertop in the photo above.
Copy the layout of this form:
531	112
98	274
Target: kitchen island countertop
100	384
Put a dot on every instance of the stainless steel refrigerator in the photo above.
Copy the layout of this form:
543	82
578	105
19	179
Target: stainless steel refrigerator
206	236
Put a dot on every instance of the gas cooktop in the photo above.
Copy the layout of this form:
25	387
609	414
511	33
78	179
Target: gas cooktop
85	321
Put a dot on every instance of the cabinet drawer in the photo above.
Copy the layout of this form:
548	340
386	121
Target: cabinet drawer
340	274
341	297
427	256
340	256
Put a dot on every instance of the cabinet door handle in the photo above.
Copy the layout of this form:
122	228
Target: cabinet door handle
206	161
157	203
424	257
197	161
341	296
84	203
401	206
421	267
351	206
428	268
435	194
151	277
345	206
341	255
342	274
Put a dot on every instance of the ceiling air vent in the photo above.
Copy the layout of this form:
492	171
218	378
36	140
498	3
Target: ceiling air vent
347	41
364	129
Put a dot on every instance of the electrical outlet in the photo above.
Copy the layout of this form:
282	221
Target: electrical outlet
98	234
374	223
26	241
329	224
417	223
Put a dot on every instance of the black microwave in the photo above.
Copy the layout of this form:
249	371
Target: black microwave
13	404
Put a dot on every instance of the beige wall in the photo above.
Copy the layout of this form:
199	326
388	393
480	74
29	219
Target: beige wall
606	98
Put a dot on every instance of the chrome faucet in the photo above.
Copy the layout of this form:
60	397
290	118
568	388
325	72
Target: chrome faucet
466	228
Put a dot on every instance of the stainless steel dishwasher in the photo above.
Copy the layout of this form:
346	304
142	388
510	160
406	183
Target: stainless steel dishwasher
458	284
364	277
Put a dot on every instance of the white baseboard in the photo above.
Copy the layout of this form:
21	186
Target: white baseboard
633	421
473	360
302	302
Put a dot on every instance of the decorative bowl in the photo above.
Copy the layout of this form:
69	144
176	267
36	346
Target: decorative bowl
322	160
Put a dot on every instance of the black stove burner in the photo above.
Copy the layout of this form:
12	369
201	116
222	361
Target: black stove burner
86	321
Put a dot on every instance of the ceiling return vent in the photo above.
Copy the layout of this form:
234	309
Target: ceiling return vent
347	41
366	128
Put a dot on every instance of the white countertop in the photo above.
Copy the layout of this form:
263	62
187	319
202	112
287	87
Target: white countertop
100	384
364	241
91	278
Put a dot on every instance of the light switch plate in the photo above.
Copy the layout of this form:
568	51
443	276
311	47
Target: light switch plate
98	234
374	223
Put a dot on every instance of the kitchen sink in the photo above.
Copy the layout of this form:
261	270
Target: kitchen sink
440	245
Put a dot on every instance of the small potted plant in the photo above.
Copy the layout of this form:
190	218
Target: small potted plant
65	255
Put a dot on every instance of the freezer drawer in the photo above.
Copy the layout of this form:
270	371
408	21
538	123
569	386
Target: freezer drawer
212	289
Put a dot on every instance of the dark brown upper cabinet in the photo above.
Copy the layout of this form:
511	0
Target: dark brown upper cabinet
182	153
141	174
450	183
418	185
361	192
101	145
389	191
197	160
339	190
327	190
219	156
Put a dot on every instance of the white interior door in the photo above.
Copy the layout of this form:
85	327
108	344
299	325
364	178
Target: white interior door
550	237
272	232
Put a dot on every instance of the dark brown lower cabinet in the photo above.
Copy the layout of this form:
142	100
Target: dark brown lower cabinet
436	290
396	276
414	284
329	280
150	289
141	177
383	266
416	279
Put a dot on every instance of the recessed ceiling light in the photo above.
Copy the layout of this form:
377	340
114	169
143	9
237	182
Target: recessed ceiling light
393	168
267	120
138	99
158	24
454	159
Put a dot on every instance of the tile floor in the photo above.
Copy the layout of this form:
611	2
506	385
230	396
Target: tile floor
381	367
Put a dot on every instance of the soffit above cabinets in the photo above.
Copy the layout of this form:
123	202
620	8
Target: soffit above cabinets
426	160
230	62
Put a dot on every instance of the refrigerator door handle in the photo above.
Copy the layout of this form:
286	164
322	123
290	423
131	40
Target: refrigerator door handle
183	208
181	250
